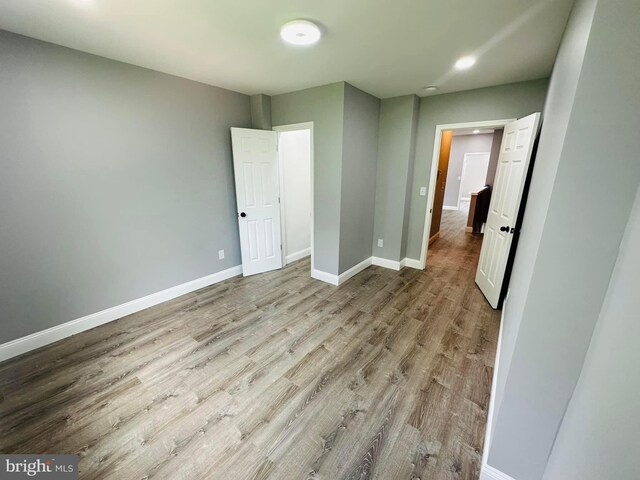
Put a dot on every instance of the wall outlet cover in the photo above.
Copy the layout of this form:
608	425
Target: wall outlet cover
220	254
380	242
423	191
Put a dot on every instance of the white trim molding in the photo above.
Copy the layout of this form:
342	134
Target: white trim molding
380	262
487	472
53	334
395	265
291	128
386	263
344	276
434	169
298	255
413	263
447	207
325	277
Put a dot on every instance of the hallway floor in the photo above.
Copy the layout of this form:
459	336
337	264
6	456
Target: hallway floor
274	376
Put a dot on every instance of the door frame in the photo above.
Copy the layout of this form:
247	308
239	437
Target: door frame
434	170
464	168
292	128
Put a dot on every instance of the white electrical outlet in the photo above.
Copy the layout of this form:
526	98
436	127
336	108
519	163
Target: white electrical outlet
423	191
380	242
220	254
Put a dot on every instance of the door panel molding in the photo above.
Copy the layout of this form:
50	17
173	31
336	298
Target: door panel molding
255	165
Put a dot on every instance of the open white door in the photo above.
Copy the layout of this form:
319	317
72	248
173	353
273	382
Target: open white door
513	164
255	164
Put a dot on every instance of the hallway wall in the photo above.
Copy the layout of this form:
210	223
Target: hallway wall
571	267
461	145
493	103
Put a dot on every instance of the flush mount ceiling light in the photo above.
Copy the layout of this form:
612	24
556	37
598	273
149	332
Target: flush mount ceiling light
430	88
465	62
476	131
300	32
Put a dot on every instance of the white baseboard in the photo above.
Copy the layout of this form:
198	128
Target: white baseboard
343	277
487	472
298	255
395	265
413	263
53	334
381	262
386	263
325	277
446	207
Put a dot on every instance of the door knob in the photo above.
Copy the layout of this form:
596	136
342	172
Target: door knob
504	229
243	214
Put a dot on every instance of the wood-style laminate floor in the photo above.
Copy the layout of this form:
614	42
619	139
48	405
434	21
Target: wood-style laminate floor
274	376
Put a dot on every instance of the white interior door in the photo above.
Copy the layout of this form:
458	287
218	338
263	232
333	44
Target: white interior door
255	163
513	164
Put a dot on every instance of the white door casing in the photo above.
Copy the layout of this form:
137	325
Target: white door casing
513	164
255	165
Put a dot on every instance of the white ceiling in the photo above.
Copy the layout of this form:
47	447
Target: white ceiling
385	47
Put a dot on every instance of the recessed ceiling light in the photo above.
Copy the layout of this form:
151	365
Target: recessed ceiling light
465	62
430	88
476	131
300	32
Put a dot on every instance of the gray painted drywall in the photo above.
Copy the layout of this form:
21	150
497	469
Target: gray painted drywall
493	157
324	106
599	434
116	182
359	159
595	185
493	103
460	145
261	111
558	106
396	147
415	110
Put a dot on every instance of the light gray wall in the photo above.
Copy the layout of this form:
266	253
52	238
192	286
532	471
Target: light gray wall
359	159
116	182
493	157
460	145
597	177
415	110
396	148
598	438
557	110
261	111
493	103
324	106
